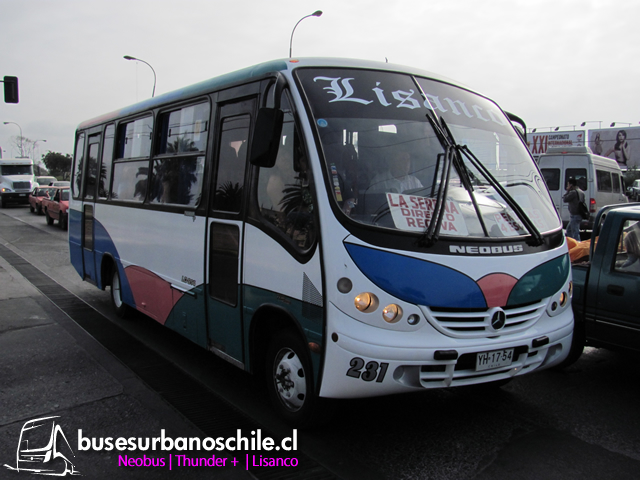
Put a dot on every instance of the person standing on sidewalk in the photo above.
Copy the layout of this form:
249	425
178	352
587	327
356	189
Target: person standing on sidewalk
573	197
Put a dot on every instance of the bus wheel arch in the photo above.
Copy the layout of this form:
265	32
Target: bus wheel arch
267	322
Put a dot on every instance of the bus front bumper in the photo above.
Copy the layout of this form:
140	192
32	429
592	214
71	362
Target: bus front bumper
354	368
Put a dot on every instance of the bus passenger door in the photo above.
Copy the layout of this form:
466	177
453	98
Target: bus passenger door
88	205
226	230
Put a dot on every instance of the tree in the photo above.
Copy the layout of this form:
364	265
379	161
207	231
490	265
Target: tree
59	165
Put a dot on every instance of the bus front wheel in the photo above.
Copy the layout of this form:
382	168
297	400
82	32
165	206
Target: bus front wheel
289	379
119	306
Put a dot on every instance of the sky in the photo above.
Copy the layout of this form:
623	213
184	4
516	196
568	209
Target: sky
554	63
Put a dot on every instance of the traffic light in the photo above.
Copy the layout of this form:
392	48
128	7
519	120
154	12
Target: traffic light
11	89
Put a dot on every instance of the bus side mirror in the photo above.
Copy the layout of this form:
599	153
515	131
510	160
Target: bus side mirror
11	89
266	137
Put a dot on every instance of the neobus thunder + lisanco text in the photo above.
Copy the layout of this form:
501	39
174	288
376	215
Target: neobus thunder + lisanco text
343	228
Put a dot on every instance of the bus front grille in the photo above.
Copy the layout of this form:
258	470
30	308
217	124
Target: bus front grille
477	323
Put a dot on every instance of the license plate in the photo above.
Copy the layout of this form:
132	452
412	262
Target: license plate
23	194
495	359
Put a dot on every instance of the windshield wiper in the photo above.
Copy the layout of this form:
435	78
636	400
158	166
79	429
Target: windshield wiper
536	236
430	235
451	158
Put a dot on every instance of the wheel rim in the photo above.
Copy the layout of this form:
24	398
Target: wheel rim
290	379
115	290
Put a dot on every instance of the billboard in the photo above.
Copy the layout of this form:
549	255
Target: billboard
538	143
621	144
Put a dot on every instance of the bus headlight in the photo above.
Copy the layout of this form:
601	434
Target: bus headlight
392	313
366	302
564	296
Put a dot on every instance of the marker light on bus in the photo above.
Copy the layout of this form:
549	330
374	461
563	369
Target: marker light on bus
571	289
413	319
344	285
366	302
392	313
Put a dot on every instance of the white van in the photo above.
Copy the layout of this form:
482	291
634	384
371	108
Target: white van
16	180
599	177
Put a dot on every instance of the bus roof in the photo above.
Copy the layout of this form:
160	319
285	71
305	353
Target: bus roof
253	73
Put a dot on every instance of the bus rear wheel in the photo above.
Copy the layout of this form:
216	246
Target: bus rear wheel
119	306
289	379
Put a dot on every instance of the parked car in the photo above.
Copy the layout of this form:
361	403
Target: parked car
45	181
35	199
606	281
57	206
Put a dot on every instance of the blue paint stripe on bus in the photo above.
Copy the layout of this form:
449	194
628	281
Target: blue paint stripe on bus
417	281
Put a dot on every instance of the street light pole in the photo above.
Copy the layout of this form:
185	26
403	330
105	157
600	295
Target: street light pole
317	13
129	57
34	148
21	137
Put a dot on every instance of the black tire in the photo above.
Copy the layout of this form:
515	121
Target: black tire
49	219
121	308
31	209
39	209
289	379
62	221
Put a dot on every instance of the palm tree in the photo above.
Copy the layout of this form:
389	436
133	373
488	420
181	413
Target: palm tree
228	197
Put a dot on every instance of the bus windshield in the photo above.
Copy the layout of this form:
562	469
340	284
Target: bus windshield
387	162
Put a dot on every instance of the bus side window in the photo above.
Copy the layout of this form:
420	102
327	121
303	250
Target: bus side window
92	168
130	178
107	161
76	180
232	159
284	193
178	168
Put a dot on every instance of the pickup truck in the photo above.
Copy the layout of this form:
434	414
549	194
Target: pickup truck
606	283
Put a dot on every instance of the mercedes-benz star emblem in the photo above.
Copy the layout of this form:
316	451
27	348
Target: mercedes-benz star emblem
498	320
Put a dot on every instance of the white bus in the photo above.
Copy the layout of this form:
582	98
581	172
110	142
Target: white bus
345	228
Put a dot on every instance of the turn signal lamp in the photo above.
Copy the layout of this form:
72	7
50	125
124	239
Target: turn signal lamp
392	313
366	302
563	299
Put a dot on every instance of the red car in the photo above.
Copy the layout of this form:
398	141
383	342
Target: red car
56	207
35	199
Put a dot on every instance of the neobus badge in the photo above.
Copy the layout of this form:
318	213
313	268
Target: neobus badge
493	250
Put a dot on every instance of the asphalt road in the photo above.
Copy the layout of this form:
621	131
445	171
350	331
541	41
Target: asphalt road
580	423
